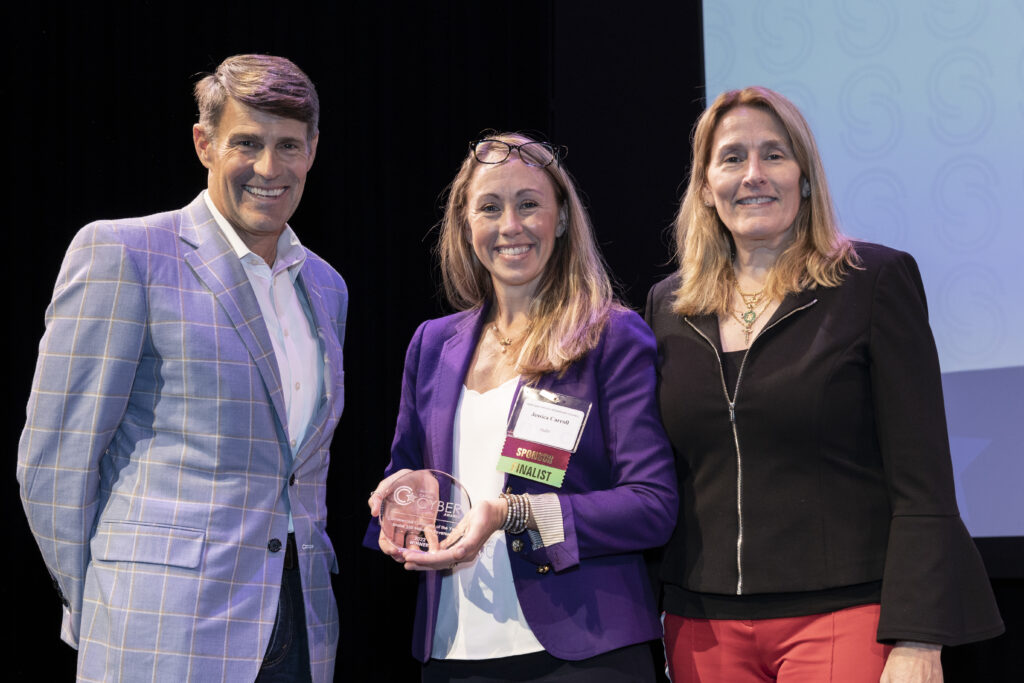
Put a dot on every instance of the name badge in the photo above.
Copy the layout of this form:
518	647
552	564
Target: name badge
544	430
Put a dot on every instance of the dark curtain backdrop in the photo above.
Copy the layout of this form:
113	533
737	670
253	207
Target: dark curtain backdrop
99	108
97	100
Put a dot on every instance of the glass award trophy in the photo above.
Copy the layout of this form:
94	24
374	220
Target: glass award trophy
422	510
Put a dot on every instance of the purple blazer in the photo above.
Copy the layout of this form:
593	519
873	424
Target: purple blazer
591	593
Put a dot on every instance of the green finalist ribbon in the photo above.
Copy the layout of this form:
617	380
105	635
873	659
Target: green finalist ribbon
531	470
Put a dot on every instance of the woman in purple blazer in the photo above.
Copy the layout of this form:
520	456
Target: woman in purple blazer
548	581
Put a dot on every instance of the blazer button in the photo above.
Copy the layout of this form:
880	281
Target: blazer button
517	546
274	545
544	569
291	480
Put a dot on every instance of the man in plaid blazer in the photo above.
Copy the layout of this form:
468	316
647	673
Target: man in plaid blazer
174	461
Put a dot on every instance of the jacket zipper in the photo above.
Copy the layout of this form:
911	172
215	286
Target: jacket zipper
735	434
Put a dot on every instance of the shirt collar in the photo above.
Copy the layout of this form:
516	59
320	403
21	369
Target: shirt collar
290	253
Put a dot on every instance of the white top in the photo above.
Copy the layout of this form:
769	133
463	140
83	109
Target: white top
479	616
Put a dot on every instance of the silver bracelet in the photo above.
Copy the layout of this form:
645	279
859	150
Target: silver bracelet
519	510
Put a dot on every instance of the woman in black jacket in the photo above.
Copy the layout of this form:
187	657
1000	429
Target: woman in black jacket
818	535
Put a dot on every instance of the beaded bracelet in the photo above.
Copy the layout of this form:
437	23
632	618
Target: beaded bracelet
519	510
512	518
508	514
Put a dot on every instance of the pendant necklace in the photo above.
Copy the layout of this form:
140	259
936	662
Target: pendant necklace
749	316
504	341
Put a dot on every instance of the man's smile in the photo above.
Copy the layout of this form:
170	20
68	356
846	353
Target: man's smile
264	192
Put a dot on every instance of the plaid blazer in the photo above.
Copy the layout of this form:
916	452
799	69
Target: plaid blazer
155	468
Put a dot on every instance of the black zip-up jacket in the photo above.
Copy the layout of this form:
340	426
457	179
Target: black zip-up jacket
830	465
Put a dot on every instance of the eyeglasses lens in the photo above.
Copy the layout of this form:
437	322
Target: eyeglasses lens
532	153
536	154
491	151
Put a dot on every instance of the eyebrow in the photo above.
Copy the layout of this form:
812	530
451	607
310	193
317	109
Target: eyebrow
519	193
766	144
243	135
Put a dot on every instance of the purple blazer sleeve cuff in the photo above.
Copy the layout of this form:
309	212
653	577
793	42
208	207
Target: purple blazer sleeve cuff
566	554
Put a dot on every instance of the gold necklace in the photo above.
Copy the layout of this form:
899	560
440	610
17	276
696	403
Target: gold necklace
750	299
749	316
504	341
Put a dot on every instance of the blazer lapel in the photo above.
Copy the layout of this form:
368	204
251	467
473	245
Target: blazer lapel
217	266
330	348
456	355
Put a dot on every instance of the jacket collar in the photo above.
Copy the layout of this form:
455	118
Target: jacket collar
708	324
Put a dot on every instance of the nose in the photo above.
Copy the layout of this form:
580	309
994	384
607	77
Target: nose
266	164
754	174
510	223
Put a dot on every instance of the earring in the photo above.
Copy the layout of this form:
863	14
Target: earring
805	188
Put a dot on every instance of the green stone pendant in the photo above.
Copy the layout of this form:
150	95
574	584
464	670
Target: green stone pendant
749	317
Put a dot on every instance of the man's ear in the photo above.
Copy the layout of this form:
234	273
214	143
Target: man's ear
312	150
203	144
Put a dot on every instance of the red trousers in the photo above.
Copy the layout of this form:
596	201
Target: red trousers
836	647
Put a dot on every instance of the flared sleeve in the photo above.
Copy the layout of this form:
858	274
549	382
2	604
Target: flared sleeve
935	588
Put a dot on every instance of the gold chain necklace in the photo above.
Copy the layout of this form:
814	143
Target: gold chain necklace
749	317
504	341
750	299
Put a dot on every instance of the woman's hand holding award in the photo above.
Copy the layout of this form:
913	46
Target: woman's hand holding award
422	510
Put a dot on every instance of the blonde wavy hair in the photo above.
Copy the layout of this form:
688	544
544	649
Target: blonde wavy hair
819	254
574	296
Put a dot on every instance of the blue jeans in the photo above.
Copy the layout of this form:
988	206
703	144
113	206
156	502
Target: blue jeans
287	657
